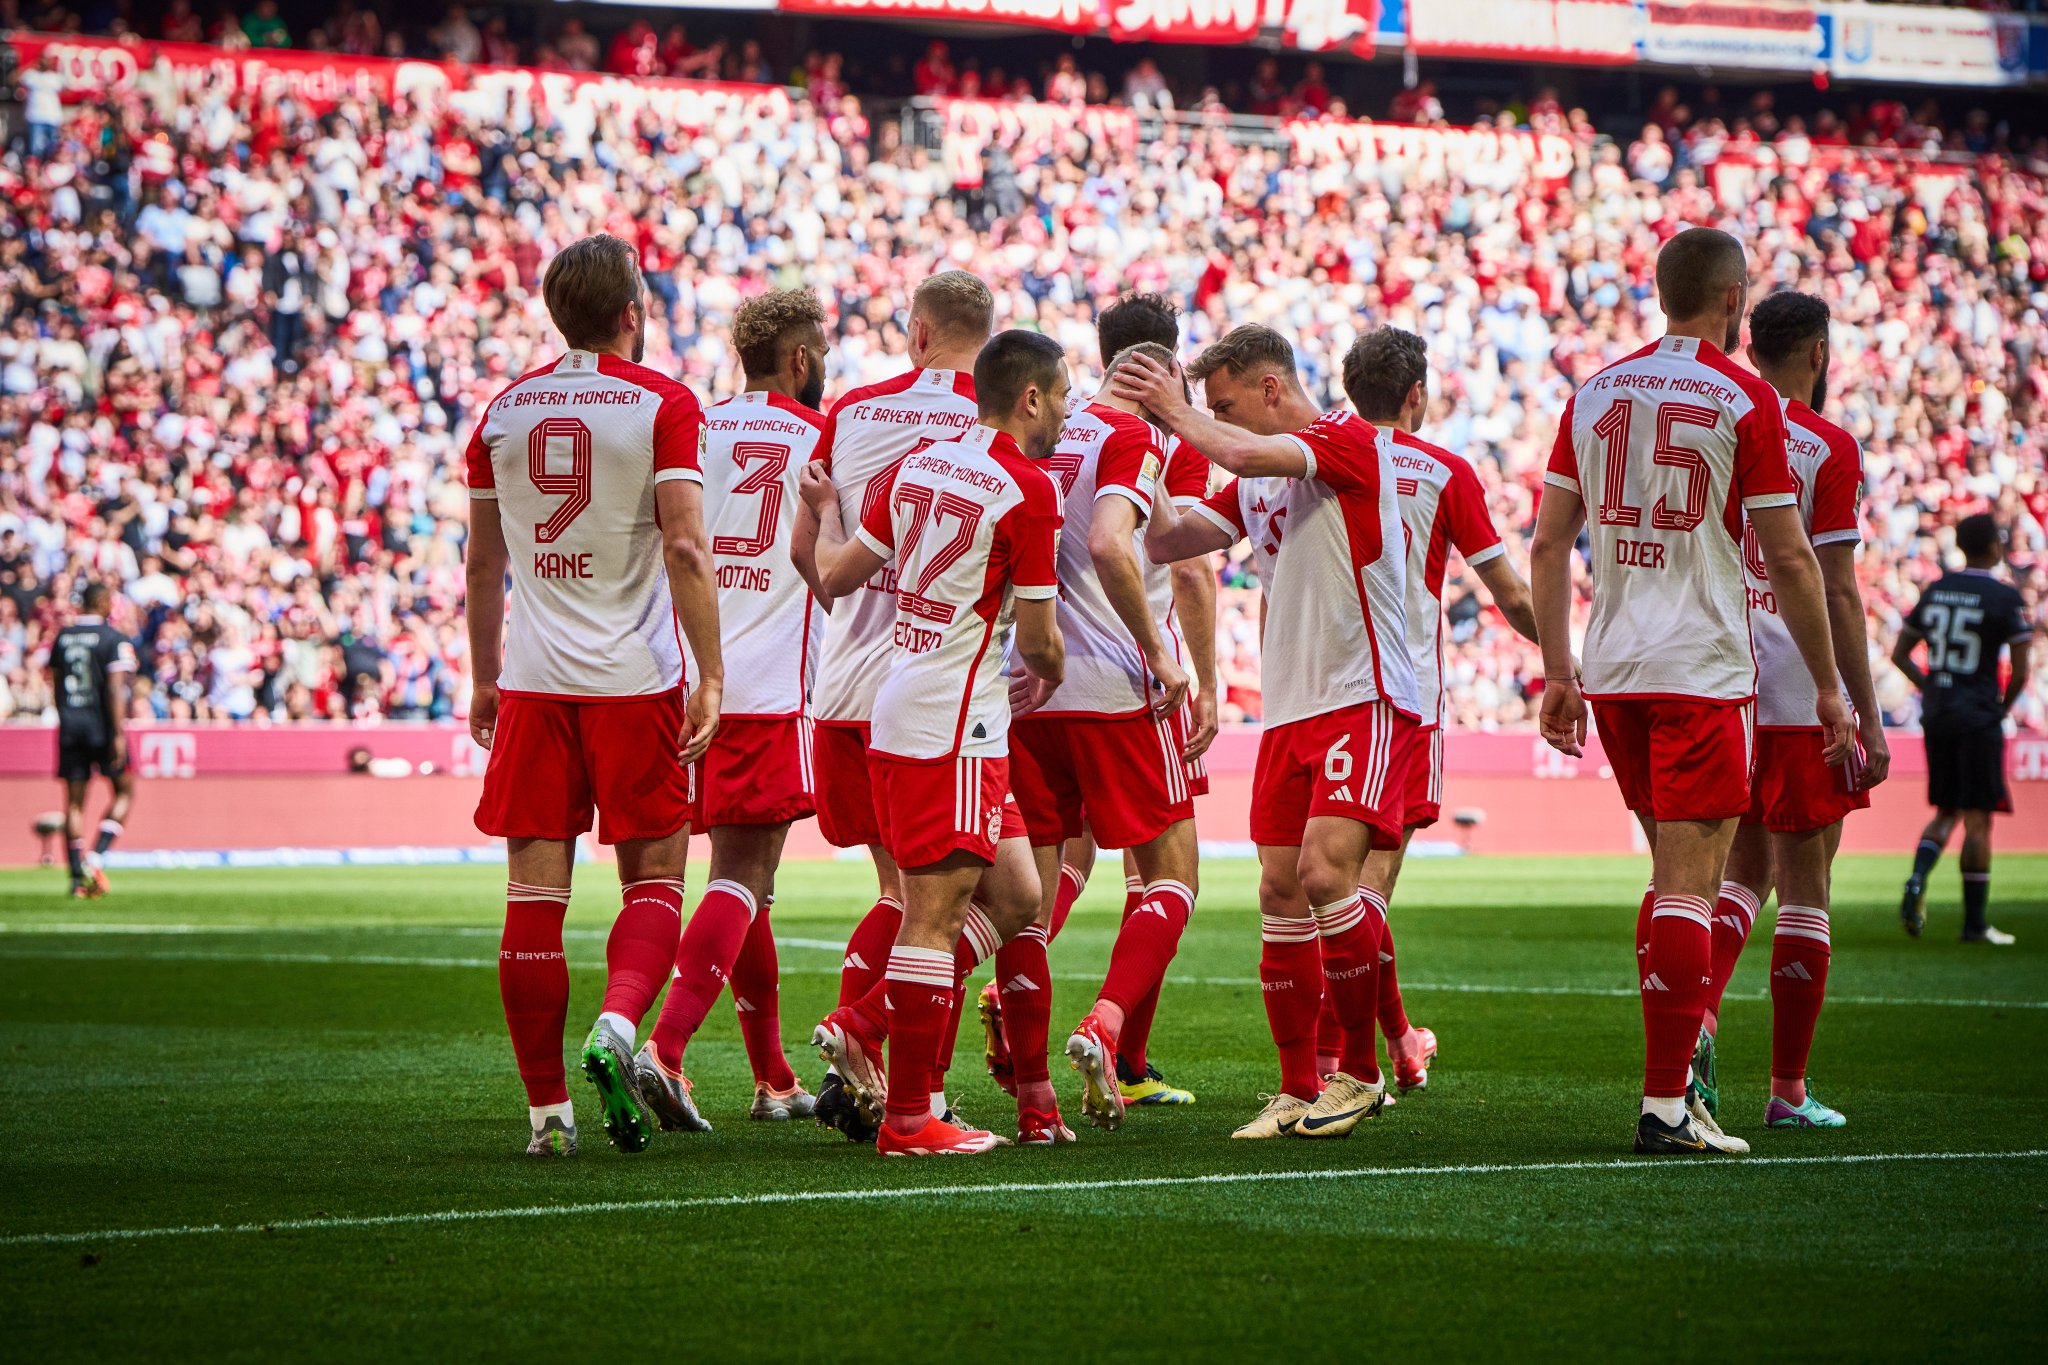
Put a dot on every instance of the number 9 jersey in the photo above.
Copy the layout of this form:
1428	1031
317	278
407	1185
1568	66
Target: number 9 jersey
571	452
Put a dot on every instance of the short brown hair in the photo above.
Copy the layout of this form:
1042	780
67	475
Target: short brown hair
1244	350
957	304
1135	318
1380	369
1696	267
1012	362
765	329
1150	349
587	286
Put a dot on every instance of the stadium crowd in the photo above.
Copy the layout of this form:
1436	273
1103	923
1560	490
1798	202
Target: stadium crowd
240	343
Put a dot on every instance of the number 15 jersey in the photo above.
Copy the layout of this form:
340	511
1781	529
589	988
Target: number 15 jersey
571	452
1668	448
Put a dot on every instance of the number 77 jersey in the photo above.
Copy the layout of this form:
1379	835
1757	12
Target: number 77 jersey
1667	449
572	452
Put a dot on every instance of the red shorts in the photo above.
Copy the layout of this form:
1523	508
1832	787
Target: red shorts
1792	788
757	772
1120	777
1426	780
954	805
553	760
844	794
1351	763
1198	770
1677	759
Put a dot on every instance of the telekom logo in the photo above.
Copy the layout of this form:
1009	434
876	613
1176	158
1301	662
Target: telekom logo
169	755
2030	760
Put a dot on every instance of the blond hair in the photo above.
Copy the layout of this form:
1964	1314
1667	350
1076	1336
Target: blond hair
958	305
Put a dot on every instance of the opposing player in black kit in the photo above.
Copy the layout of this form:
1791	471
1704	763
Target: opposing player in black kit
90	664
1966	618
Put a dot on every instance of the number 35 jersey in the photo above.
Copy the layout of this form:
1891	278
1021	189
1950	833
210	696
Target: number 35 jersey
755	444
571	452
1667	448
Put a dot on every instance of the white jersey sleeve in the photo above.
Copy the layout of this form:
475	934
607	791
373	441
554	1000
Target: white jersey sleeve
1443	509
1828	467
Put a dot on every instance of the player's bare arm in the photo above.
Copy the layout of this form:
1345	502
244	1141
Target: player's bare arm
1794	573
1558	521
1246	454
1172	536
1846	622
1194	603
1112	546
484	567
2022	654
1510	595
693	583
1040	645
803	554
842	564
117	716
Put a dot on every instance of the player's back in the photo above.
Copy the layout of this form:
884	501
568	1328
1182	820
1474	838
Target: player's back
755	444
1184	478
1102	452
970	526
1443	508
1827	466
1967	618
572	452
1668	448
867	432
81	655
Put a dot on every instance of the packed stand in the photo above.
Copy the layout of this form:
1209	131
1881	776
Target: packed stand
242	344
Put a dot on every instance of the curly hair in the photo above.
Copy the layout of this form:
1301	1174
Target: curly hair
764	328
1783	323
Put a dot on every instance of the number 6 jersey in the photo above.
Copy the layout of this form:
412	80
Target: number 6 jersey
571	452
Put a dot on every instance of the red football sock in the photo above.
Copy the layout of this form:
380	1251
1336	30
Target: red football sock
1643	928
533	980
920	1002
1072	884
1675	984
867	951
1392	1011
1134	895
1799	982
642	946
704	962
977	943
1146	943
873	1008
1351	973
1291	977
1026	988
1734	917
1329	1031
757	998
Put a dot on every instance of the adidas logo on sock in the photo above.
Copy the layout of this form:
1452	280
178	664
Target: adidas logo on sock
853	963
1151	908
743	1006
1796	971
1653	982
1734	922
1386	957
1019	982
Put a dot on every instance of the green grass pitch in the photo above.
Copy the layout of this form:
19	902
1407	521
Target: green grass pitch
265	1114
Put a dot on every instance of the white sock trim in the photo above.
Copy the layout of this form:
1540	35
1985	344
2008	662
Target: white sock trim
1181	889
1340	918
1802	921
1684	907
980	934
520	891
921	966
1744	900
539	1114
733	888
1282	929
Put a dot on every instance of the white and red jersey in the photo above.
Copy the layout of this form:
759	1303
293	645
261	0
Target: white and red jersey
755	444
1667	448
1102	453
971	525
866	434
1443	508
1828	467
1336	609
572	452
1253	510
1185	482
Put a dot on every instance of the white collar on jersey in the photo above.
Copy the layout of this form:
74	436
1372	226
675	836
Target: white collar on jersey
981	436
579	361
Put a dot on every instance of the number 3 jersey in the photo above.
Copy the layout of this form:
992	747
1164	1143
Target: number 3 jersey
970	526
1667	448
755	444
572	452
1828	468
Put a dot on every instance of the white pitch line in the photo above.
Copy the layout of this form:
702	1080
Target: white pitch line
1424	987
1002	1187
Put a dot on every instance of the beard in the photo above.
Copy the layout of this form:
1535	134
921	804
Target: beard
812	395
1820	392
640	344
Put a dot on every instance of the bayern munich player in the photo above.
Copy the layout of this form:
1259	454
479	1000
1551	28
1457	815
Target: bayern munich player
1667	449
1797	802
972	527
756	777
868	431
585	487
1341	706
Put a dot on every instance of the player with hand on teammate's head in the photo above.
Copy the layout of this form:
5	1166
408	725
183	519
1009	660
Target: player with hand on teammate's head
91	667
972	528
1658	457
1789	834
585	489
1341	703
755	779
1966	619
867	432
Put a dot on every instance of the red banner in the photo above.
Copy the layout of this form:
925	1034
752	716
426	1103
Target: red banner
1576	31
1185	21
1068	16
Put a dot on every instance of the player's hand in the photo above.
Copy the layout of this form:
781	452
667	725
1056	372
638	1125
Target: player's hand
1563	719
1206	726
1838	729
701	714
483	714
814	486
1028	692
1169	686
1159	387
117	750
1877	753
